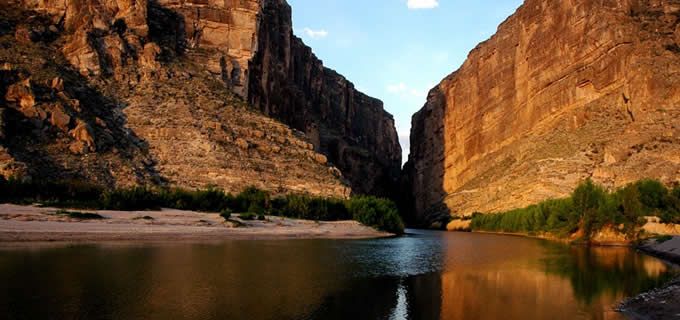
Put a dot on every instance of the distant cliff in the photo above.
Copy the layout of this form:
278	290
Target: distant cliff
565	90
158	80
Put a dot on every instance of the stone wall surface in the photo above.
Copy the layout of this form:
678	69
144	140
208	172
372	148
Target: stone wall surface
564	91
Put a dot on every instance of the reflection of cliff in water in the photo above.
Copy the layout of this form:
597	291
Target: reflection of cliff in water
615	272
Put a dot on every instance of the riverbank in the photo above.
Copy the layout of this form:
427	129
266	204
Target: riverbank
660	303
38	224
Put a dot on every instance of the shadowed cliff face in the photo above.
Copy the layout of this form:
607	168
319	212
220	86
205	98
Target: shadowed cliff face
142	53
90	93
288	82
564	91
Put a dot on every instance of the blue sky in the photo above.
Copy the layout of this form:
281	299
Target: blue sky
396	50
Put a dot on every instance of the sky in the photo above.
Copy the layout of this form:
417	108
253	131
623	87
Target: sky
397	50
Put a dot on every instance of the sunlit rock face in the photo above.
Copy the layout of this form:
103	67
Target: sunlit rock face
565	90
248	46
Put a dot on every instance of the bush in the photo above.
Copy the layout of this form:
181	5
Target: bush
247	216
590	208
381	214
652	195
251	196
136	198
226	214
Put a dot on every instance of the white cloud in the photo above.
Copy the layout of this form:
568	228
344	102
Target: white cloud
404	90
315	34
422	4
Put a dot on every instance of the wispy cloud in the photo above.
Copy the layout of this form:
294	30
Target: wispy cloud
315	34
422	4
405	90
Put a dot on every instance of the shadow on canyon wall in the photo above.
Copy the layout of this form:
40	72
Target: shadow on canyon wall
422	191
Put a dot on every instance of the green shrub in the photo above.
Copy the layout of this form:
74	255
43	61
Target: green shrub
664	238
226	214
590	208
247	216
131	199
652	195
378	213
251	196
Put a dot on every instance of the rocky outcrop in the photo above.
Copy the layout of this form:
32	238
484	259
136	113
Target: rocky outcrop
565	90
288	82
249	46
141	115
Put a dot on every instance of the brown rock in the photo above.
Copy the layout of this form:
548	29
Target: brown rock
320	158
242	144
57	84
83	133
21	95
557	95
22	34
59	117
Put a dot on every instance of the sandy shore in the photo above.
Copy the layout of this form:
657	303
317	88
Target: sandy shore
661	303
31	223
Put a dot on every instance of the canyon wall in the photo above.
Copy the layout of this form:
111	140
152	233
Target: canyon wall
288	82
169	68
564	91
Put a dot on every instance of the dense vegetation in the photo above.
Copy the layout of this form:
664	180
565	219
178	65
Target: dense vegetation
590	208
252	203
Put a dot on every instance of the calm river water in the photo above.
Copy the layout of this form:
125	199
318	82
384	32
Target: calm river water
425	275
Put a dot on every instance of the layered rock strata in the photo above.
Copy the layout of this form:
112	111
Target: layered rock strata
158	117
249	46
565	90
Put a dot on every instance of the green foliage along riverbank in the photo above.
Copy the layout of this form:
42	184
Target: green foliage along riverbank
589	209
379	213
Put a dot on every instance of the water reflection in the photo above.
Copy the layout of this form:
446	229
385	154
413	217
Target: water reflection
427	275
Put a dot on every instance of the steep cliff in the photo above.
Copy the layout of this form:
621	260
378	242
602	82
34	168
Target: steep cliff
565	90
288	82
249	46
90	93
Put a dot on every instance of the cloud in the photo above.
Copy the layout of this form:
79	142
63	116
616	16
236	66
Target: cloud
315	34
404	90
422	4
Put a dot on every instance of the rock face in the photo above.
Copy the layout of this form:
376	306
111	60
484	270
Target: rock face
565	90
135	108
249	46
288	82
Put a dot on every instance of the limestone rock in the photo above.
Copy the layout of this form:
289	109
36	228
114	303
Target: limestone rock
565	90
20	95
59	117
361	138
57	84
84	136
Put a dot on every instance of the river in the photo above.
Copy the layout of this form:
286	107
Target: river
423	275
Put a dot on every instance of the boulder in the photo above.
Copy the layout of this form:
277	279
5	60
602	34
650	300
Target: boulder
20	95
59	118
83	134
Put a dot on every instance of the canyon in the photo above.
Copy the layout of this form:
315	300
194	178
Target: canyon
183	93
564	91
